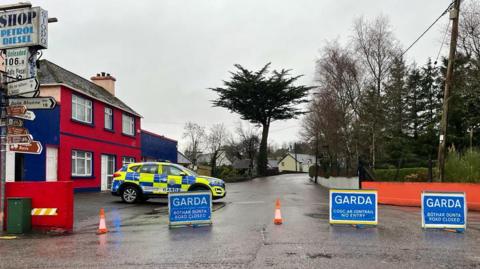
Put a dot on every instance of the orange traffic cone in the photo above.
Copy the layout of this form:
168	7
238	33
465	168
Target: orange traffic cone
278	215
102	227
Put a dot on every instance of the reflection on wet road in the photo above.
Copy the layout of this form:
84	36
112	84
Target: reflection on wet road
243	235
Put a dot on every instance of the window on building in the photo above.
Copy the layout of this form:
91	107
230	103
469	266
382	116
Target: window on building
81	109
81	163
108	118
128	125
127	160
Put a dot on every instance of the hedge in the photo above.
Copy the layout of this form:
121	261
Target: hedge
416	174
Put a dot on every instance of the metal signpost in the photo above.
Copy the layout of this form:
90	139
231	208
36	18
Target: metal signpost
357	207
190	208
16	110
12	130
34	147
28	115
33	103
27	87
24	31
444	210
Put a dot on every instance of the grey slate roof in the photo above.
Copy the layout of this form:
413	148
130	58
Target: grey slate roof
50	73
182	159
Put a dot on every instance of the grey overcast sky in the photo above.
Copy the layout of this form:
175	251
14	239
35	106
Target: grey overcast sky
165	54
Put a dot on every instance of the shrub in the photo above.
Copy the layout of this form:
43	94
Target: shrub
463	167
417	174
226	171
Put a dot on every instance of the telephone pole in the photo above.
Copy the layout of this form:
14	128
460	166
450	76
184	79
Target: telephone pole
454	15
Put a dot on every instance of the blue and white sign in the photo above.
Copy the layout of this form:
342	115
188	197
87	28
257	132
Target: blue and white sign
27	27
353	207
444	210
190	208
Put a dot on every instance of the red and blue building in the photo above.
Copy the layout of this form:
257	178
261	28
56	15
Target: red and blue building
88	136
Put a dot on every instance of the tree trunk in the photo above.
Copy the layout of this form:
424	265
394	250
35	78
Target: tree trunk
213	164
262	154
430	168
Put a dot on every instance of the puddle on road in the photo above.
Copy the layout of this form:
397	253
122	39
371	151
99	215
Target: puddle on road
319	255
318	215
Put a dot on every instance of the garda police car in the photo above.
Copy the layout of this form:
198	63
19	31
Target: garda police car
140	181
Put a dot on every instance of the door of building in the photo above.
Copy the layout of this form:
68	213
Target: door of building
19	169
108	168
52	164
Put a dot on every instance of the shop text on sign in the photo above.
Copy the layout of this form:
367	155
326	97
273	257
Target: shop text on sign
189	208
444	210
27	27
353	207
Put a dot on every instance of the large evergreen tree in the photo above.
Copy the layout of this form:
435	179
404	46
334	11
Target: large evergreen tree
261	99
395	112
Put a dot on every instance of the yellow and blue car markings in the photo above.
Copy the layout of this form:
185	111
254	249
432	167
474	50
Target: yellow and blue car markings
161	184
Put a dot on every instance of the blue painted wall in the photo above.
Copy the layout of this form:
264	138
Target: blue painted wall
45	129
158	148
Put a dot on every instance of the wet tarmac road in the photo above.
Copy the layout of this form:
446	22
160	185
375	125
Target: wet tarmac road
243	235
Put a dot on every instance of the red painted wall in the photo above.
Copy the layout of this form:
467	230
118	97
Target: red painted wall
409	193
46	195
93	138
97	131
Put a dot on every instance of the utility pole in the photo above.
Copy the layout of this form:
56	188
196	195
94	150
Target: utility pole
316	158
454	15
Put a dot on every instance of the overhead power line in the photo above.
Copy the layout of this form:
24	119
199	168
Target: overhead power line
428	28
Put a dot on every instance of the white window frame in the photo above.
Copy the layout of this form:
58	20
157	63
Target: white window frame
77	103
87	160
128	124
127	160
108	118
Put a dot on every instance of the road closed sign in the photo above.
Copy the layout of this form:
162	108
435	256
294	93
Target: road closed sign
444	210
353	207
190	208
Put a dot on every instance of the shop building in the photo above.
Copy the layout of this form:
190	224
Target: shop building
85	138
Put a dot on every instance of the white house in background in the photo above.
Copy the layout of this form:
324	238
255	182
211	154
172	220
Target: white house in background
183	160
221	159
295	162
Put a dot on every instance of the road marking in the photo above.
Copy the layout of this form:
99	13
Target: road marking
7	237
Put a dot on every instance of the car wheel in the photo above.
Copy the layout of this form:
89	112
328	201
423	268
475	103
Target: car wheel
130	194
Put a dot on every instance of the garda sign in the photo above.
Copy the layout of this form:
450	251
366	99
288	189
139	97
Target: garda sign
190	208
444	210
26	27
353	207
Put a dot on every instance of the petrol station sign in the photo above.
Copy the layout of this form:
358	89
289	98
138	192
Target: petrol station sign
25	27
20	63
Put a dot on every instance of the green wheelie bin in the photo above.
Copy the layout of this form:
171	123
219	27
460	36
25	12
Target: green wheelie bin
19	216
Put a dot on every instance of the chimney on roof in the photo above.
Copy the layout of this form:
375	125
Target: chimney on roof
106	81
